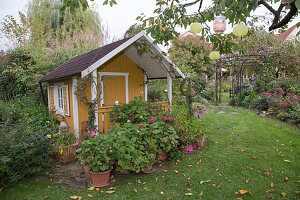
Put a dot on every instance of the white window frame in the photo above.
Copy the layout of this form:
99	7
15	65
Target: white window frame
59	103
101	74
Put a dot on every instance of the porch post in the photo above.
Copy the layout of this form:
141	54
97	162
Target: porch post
94	84
146	87
75	107
169	83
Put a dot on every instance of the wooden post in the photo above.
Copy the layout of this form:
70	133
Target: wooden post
169	83
94	84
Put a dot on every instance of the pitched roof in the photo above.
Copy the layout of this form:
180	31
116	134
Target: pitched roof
79	63
287	33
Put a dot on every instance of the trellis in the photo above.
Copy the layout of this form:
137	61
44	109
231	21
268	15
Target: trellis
238	63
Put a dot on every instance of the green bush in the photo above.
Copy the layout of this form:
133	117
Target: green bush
25	139
155	94
260	104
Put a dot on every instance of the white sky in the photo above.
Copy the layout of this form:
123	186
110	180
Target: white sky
117	18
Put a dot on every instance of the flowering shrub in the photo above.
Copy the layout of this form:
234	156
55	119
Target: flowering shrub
282	103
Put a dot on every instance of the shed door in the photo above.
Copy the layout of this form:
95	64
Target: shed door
114	89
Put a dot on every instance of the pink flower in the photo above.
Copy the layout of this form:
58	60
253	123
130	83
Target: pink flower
149	132
289	94
94	133
298	97
152	119
171	119
165	118
193	91
169	109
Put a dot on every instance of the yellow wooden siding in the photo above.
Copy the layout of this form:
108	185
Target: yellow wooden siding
69	119
122	63
51	93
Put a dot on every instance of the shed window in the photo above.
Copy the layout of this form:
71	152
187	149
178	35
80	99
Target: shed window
59	99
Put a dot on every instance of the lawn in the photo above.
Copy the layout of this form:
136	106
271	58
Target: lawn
245	152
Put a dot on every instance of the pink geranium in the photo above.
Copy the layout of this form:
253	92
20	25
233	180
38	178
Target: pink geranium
171	119
152	119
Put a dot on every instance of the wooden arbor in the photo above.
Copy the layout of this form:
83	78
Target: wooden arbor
237	65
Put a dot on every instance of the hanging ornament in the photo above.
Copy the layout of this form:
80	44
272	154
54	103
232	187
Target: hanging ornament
220	24
196	27
214	55
240	30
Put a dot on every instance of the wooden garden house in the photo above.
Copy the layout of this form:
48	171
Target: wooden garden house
123	67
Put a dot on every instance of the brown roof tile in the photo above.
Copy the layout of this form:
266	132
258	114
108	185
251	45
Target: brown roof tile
79	63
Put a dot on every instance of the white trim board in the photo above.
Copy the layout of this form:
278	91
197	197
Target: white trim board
166	62
111	54
75	108
114	74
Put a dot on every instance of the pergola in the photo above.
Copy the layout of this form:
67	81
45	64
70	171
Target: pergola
237	63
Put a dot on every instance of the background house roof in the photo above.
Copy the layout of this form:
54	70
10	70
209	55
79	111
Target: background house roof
84	64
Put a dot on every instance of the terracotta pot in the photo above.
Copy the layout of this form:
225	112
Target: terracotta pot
100	179
162	156
147	170
67	155
86	171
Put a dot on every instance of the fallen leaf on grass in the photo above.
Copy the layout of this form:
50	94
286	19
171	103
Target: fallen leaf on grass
91	188
111	188
239	199
272	185
188	194
201	182
165	171
75	197
135	190
110	192
297	192
201	193
198	170
283	194
242	192
176	171
90	195
218	186
247	181
161	192
214	185
45	197
270	197
207	181
287	161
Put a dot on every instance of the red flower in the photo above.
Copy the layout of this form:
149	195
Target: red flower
141	126
149	132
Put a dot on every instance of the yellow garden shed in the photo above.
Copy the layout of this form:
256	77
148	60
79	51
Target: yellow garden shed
123	67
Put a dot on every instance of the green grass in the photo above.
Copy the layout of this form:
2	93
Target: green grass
241	147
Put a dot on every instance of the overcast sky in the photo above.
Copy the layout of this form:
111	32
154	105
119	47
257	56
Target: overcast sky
117	18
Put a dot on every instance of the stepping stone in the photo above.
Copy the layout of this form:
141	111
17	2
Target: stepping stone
221	112
234	113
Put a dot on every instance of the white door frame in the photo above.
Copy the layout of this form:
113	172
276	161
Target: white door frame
114	74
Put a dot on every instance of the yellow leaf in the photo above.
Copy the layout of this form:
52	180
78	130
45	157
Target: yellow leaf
135	190
97	189
201	193
161	192
287	161
109	192
214	185
243	191
176	171
283	194
188	194
91	188
90	195
111	188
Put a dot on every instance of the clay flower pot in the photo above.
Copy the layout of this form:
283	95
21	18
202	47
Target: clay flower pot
100	179
86	171
162	156
67	155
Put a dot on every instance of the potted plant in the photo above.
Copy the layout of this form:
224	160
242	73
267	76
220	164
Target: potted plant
96	153
65	145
